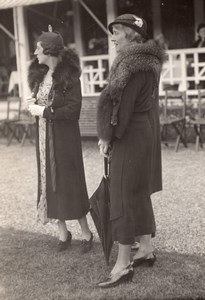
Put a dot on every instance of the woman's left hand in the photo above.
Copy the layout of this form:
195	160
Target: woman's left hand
36	110
104	147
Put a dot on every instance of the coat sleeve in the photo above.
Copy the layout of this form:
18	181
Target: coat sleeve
104	112
131	94
71	108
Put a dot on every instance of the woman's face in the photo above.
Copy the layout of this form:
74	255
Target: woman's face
42	58
202	33
119	37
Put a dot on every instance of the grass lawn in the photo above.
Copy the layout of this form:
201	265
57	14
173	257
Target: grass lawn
31	269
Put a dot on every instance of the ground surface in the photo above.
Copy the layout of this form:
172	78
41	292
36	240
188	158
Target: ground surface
30	269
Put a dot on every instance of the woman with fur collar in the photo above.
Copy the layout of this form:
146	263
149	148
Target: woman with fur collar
56	103
128	129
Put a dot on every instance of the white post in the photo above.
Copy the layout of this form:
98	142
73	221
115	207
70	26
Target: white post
183	86
111	8
22	50
77	28
17	46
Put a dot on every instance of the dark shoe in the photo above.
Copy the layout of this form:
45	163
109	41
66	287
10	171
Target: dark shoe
123	276
86	245
144	260
62	246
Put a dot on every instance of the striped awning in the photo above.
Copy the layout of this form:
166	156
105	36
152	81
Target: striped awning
4	4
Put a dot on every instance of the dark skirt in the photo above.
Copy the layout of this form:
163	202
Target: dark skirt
134	223
70	201
131	207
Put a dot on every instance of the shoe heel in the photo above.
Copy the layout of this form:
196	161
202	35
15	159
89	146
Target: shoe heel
151	261
69	238
130	276
127	278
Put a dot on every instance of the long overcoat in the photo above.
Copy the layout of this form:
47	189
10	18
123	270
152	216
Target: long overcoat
69	199
128	118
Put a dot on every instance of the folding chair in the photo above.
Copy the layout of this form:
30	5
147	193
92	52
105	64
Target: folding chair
17	125
173	116
199	121
12	114
22	129
4	89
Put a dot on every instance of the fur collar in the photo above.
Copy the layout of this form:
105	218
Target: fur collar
134	58
66	73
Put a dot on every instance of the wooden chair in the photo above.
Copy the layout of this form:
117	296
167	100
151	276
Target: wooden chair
4	89
12	114
17	124
174	116
199	120
22	129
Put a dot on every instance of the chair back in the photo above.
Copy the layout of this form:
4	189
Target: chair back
201	104
13	108
175	104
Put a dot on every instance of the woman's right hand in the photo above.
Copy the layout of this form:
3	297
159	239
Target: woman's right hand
104	147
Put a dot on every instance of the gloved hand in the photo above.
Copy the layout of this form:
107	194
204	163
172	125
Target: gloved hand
104	146
36	110
30	100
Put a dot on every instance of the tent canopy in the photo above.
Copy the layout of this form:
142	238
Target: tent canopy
14	3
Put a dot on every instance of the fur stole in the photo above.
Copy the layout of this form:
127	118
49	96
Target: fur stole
66	73
134	58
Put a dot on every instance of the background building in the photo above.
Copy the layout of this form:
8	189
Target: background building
83	25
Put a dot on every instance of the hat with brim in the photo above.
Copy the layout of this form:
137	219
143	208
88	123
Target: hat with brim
136	23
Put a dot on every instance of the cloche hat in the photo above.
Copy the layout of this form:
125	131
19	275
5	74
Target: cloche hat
132	21
52	38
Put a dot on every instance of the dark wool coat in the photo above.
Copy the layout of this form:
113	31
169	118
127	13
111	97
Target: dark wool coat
69	199
127	117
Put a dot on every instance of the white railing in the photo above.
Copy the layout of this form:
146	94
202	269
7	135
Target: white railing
183	70
94	73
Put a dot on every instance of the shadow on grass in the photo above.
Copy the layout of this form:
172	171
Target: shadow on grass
31	269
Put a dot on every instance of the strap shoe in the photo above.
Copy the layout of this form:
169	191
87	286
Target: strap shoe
124	276
62	246
87	245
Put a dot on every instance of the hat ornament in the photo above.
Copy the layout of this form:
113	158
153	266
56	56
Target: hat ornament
138	21
50	29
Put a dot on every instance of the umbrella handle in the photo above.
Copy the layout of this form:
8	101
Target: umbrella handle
106	167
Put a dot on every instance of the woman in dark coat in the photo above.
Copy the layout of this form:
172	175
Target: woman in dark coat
56	103
128	127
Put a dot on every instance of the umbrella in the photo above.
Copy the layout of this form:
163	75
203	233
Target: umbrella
100	212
